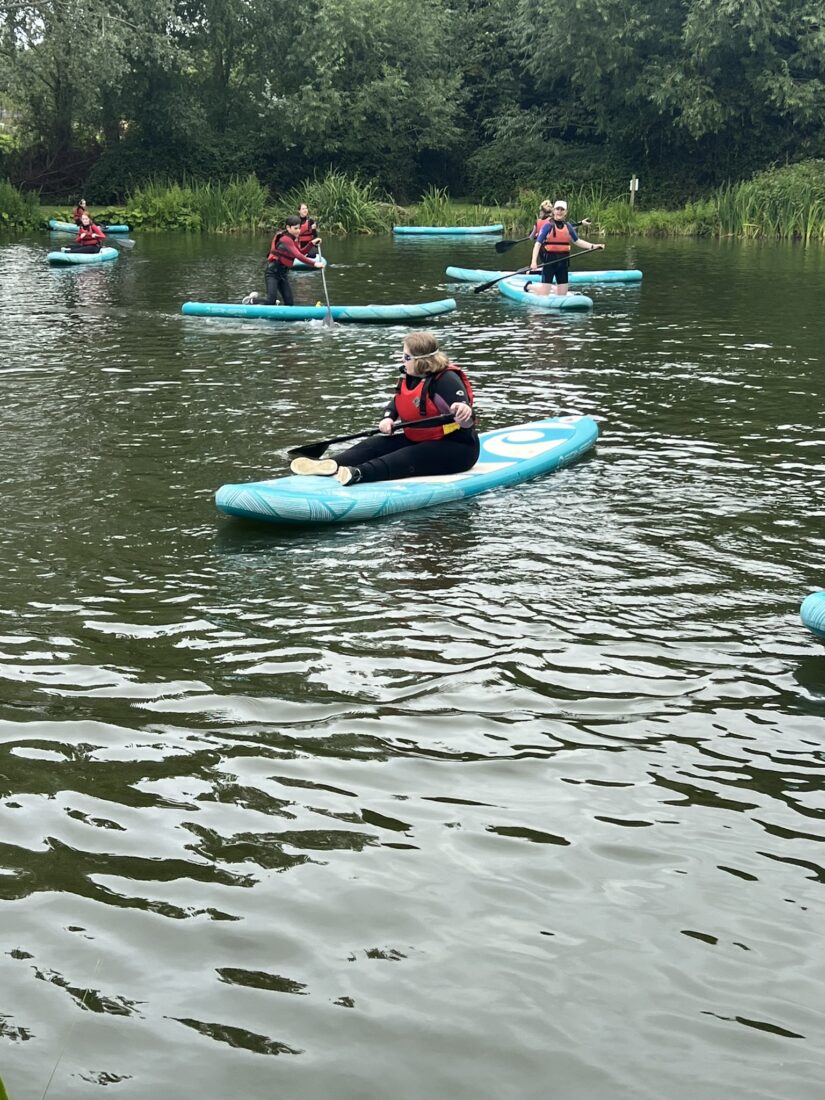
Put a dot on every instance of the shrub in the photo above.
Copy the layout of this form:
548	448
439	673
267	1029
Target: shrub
18	208
341	204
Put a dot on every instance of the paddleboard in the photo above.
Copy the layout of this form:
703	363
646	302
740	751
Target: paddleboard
514	289
508	456
478	275
812	613
380	315
70	227
101	257
444	230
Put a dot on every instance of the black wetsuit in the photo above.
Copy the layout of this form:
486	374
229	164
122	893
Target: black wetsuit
388	457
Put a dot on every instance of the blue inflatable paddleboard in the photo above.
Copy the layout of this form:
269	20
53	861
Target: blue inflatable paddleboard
479	275
445	230
508	456
101	257
812	613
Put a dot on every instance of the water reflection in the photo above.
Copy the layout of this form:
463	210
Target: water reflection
493	779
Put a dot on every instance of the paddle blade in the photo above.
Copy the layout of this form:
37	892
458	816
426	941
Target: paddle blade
505	246
311	450
328	322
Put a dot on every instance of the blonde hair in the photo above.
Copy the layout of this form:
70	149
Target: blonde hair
545	205
423	347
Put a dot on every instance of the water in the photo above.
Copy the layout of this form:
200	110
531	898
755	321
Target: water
519	799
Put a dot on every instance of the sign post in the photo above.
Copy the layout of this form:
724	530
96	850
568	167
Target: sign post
634	187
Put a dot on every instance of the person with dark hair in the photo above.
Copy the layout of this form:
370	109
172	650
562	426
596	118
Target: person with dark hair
308	239
90	237
430	386
283	252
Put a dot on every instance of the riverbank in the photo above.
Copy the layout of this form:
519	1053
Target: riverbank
787	203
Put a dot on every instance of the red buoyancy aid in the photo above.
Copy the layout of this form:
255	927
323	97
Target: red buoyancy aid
79	211
89	234
307	233
418	402
537	228
284	249
558	239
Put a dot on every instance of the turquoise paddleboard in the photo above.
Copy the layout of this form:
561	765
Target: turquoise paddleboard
514	289
479	275
812	613
445	230
101	257
508	456
71	227
360	315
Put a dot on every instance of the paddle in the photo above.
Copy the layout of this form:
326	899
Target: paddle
328	321
124	242
505	246
530	268
315	450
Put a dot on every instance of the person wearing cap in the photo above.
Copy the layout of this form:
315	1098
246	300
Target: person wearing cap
551	252
430	387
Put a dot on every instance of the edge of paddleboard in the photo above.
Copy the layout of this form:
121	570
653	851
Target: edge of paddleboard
479	275
512	288
70	227
508	457
58	259
372	314
445	230
812	613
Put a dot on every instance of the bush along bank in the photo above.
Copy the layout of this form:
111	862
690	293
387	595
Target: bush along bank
785	203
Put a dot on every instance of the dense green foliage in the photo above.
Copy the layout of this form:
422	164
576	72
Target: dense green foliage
482	96
341	204
18	208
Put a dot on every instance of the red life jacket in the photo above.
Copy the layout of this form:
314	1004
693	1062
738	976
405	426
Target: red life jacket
537	228
79	211
307	233
558	240
284	252
412	403
89	234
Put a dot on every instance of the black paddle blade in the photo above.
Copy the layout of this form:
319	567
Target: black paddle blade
505	246
311	450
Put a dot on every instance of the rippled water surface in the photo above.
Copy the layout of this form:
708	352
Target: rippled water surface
520	799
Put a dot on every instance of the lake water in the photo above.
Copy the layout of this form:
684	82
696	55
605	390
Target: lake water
520	799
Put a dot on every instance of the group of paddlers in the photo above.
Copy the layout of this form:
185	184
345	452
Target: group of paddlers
90	237
432	406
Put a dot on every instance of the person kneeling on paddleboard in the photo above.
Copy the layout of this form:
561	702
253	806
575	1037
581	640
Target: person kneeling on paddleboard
430	386
89	237
283	252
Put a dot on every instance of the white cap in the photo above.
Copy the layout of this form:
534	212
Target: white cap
560	202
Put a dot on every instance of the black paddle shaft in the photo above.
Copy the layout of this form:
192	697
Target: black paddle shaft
315	450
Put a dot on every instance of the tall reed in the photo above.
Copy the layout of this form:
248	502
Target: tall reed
18	208
340	204
216	206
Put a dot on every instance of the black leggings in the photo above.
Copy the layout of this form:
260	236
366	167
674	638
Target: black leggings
83	248
277	284
388	457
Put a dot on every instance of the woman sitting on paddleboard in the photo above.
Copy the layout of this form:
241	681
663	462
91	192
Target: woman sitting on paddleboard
89	237
283	252
430	386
